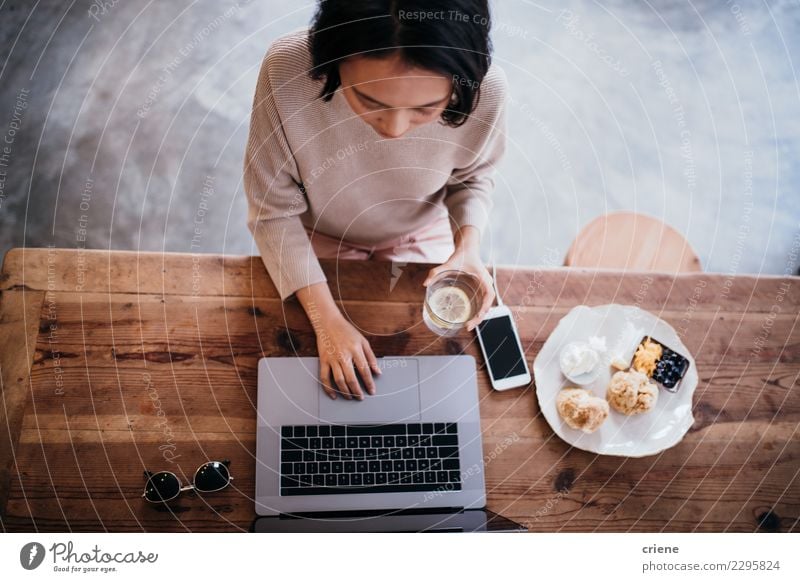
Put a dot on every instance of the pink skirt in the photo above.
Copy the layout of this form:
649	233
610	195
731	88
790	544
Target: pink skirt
431	244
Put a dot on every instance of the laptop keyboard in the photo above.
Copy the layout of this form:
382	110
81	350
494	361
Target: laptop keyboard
387	458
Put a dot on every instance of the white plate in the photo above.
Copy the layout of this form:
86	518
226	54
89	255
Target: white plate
623	327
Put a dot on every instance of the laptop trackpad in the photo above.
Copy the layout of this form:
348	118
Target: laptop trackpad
396	397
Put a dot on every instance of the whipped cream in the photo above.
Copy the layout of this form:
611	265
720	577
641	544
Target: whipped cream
578	358
598	343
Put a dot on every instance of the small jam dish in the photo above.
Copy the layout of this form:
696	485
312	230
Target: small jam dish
671	367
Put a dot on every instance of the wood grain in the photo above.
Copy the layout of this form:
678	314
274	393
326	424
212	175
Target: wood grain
19	326
158	371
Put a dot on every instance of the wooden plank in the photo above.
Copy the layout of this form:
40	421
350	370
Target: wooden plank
551	487
97	487
19	325
98	321
234	276
541	482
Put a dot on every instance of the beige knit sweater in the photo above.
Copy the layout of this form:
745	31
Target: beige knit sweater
315	163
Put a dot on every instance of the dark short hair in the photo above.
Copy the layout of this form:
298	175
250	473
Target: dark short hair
450	37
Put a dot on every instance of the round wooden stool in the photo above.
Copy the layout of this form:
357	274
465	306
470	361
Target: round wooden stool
632	242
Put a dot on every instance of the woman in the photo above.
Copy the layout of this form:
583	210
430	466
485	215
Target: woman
373	135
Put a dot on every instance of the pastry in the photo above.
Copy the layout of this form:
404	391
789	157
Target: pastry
631	393
580	409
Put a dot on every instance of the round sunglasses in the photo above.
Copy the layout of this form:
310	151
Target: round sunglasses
165	486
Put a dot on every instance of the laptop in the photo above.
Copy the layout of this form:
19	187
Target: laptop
408	458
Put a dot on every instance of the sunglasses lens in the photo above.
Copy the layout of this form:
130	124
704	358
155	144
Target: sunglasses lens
162	487
212	477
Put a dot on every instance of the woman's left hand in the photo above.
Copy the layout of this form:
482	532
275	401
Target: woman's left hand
469	261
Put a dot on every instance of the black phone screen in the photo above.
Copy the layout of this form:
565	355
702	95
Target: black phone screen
505	359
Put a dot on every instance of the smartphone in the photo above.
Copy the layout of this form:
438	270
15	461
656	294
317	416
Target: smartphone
502	349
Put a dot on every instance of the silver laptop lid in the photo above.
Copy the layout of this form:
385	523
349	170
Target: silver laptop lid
421	389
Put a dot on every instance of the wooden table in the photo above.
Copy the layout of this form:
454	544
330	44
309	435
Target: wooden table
113	362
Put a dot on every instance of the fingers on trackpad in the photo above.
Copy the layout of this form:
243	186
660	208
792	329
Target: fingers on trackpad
396	399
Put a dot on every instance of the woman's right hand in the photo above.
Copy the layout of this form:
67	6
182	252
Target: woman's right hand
343	353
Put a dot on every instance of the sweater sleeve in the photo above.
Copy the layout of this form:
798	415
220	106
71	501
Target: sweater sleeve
275	197
469	189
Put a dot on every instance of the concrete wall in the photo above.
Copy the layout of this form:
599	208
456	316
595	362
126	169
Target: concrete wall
117	116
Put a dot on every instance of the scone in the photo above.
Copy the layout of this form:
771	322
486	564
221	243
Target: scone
580	410
631	393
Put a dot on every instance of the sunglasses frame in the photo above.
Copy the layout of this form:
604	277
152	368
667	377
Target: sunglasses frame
191	487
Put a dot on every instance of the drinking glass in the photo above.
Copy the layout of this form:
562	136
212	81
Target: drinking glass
451	300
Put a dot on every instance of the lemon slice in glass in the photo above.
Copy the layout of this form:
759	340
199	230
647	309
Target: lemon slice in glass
451	304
